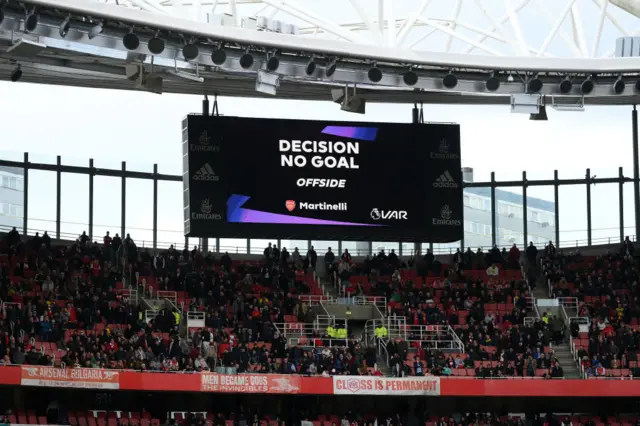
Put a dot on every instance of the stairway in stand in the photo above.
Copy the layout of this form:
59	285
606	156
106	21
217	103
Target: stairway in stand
563	353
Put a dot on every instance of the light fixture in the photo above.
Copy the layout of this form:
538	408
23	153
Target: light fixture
331	68
219	55
566	85
156	44
618	86
587	86
311	66
96	30
493	83
410	78
272	62
16	75
131	41
31	21
450	80
374	74
190	51
534	85
246	60
65	26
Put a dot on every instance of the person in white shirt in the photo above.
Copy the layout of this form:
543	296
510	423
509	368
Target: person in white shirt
493	271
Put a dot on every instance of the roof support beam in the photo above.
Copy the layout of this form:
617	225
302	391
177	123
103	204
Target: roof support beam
409	23
364	16
578	30
556	28
523	49
601	18
454	20
501	21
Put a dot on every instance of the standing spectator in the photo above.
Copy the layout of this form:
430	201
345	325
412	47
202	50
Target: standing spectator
532	254
313	258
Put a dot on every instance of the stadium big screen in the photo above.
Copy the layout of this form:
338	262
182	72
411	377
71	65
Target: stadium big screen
302	179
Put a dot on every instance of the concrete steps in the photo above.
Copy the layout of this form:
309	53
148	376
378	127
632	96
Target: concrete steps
563	353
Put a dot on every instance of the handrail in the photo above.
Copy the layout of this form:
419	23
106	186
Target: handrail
179	241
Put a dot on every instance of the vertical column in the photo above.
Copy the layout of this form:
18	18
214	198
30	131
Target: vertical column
91	174
556	200
588	183
217	244
25	195
636	171
155	206
204	244
621	202
248	245
123	202
58	195
493	209
525	216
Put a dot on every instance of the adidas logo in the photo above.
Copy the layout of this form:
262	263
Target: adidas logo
206	173
445	180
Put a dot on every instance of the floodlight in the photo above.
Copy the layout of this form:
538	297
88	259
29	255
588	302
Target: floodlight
156	44
131	41
331	68
246	60
566	85
31	22
450	81
410	78
493	83
587	86
374	74
65	26
534	85
618	86
95	31
311	67
272	62
190	51
218	56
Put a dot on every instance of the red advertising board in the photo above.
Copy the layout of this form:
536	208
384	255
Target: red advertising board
389	386
88	378
250	383
294	384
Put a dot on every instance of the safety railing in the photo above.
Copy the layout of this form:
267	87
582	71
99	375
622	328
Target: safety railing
315	299
570	308
195	319
379	302
5	305
129	293
317	342
171	296
150	315
532	306
440	337
175	238
530	321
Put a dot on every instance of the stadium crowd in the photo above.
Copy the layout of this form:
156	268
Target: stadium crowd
606	288
70	304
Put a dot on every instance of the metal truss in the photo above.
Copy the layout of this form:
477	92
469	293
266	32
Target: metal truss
565	28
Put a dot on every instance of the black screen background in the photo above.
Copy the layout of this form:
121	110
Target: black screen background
396	172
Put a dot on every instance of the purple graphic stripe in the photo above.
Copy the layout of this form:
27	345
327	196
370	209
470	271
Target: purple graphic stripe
237	214
361	133
257	216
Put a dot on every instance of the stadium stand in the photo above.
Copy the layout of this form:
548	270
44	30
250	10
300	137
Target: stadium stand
114	306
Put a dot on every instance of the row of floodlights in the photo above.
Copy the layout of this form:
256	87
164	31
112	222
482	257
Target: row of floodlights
190	51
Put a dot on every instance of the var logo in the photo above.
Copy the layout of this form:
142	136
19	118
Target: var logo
388	214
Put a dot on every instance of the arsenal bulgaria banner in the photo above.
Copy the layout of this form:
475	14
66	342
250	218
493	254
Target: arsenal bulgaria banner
85	378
